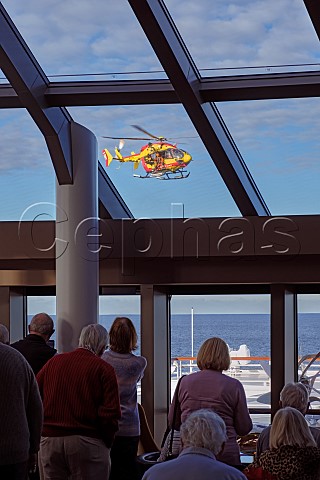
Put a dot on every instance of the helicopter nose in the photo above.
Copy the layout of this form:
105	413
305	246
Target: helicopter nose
188	158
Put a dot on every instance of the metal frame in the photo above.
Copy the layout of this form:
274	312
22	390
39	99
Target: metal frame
45	101
30	82
266	86
185	78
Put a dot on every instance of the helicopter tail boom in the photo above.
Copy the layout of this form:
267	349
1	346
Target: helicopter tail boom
107	156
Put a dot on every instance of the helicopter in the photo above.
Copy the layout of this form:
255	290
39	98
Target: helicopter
161	159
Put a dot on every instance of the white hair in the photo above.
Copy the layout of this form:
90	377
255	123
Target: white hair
94	337
295	395
204	428
4	334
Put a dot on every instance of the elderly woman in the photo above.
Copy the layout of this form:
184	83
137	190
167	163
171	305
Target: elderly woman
129	370
210	388
295	395
203	435
293	453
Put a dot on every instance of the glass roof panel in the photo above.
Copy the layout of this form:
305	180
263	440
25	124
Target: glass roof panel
277	139
203	193
225	37
27	177
280	142
80	38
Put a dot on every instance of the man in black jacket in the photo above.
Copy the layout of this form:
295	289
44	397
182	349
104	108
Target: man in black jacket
34	347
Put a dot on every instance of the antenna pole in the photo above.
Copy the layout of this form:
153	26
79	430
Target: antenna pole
191	331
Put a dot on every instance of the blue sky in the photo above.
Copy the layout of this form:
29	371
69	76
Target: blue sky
120	305
278	139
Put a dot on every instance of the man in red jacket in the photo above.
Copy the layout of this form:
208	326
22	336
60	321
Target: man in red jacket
81	410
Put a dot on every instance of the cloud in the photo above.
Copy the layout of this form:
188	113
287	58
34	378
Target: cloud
22	146
246	33
283	127
77	36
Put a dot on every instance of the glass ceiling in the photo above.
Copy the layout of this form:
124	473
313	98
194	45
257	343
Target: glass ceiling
79	40
247	36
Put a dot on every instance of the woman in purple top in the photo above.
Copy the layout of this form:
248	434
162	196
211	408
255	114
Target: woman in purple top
210	388
129	370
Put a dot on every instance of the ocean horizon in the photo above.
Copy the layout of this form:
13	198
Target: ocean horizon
252	330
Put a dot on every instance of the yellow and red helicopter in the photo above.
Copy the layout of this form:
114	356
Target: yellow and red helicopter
160	159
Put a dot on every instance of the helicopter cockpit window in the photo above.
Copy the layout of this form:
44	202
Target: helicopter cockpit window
176	153
167	153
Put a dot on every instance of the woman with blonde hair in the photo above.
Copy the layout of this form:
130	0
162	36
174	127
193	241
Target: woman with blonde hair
293	452
129	369
210	388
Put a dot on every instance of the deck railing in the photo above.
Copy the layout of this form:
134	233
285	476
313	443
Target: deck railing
185	365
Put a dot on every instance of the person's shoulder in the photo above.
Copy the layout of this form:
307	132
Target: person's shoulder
104	364
233	382
265	432
158	471
9	353
141	360
229	472
17	344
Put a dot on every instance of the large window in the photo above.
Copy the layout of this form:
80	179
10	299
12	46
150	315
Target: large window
112	306
37	304
309	349
243	321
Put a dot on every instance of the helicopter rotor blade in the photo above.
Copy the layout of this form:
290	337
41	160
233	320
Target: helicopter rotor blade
147	133
127	138
121	144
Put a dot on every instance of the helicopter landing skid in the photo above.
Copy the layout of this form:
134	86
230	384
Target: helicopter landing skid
178	175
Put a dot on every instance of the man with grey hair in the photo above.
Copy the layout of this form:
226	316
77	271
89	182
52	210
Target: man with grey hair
203	435
293	395
34	347
81	410
4	334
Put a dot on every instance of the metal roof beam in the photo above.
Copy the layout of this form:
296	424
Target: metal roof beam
30	83
313	8
212	89
260	86
125	92
110	198
185	78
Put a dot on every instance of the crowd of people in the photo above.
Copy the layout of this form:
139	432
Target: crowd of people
75	415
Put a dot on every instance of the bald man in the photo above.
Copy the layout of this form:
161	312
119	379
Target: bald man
34	347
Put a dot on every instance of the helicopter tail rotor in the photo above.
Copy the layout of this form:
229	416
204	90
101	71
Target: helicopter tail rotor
117	150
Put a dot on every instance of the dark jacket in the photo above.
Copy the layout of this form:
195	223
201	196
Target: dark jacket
35	350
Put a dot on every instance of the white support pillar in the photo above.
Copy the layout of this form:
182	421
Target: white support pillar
77	256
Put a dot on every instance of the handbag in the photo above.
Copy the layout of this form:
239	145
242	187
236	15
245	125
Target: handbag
171	442
257	473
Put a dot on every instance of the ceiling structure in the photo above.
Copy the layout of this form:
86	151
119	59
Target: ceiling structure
29	88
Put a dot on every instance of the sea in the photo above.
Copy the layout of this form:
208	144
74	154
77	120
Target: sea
252	330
